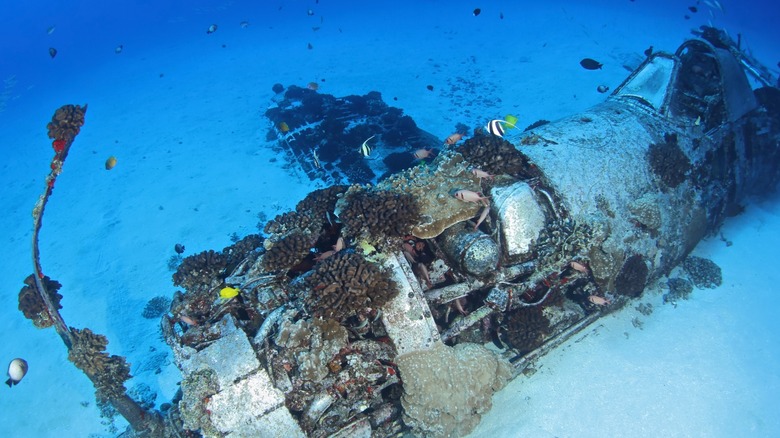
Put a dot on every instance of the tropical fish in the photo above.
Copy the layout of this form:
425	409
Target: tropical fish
313	86
228	293
590	64
284	127
599	301
244	24
118	49
454	138
649	51
211	29
495	127
477	11
315	159
51	29
179	248
110	162
16	371
52	52
602	88
422	154
365	149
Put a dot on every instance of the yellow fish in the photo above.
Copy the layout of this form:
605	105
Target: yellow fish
228	292
110	162
283	127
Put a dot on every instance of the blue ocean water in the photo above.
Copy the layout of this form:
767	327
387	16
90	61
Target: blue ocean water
183	111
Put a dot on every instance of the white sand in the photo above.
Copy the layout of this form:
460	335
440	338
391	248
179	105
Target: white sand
194	167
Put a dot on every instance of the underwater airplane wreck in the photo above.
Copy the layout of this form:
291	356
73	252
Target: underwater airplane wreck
402	306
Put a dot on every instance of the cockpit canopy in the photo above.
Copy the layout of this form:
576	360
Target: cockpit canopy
699	84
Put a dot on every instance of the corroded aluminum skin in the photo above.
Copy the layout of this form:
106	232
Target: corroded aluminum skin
520	216
474	251
407	317
242	382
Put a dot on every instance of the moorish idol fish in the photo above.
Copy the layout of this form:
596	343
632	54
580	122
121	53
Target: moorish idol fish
365	149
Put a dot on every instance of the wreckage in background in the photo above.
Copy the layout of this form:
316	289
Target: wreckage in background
366	311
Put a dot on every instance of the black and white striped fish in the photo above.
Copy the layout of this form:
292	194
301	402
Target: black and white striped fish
495	127
365	149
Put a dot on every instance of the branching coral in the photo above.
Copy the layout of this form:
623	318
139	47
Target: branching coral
237	252
66	122
287	252
495	155
704	273
203	270
310	214
31	304
346	284
378	214
156	307
108	372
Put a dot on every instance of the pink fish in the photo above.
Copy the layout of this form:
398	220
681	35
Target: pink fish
481	174
469	196
599	301
422	154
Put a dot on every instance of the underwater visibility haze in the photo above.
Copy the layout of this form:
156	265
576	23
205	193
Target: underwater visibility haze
432	218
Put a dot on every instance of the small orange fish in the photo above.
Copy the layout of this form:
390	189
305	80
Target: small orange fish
313	86
454	138
283	127
110	162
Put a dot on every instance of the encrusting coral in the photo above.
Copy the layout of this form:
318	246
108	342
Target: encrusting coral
668	161
526	328
345	284
31	304
108	372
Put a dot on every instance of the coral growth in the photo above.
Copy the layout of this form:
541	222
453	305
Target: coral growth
346	284
668	161
287	251
237	252
526	328
108	373
632	277
679	288
495	155
704	273
310	214
31	304
66	123
204	270
156	307
439	210
447	389
378	214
